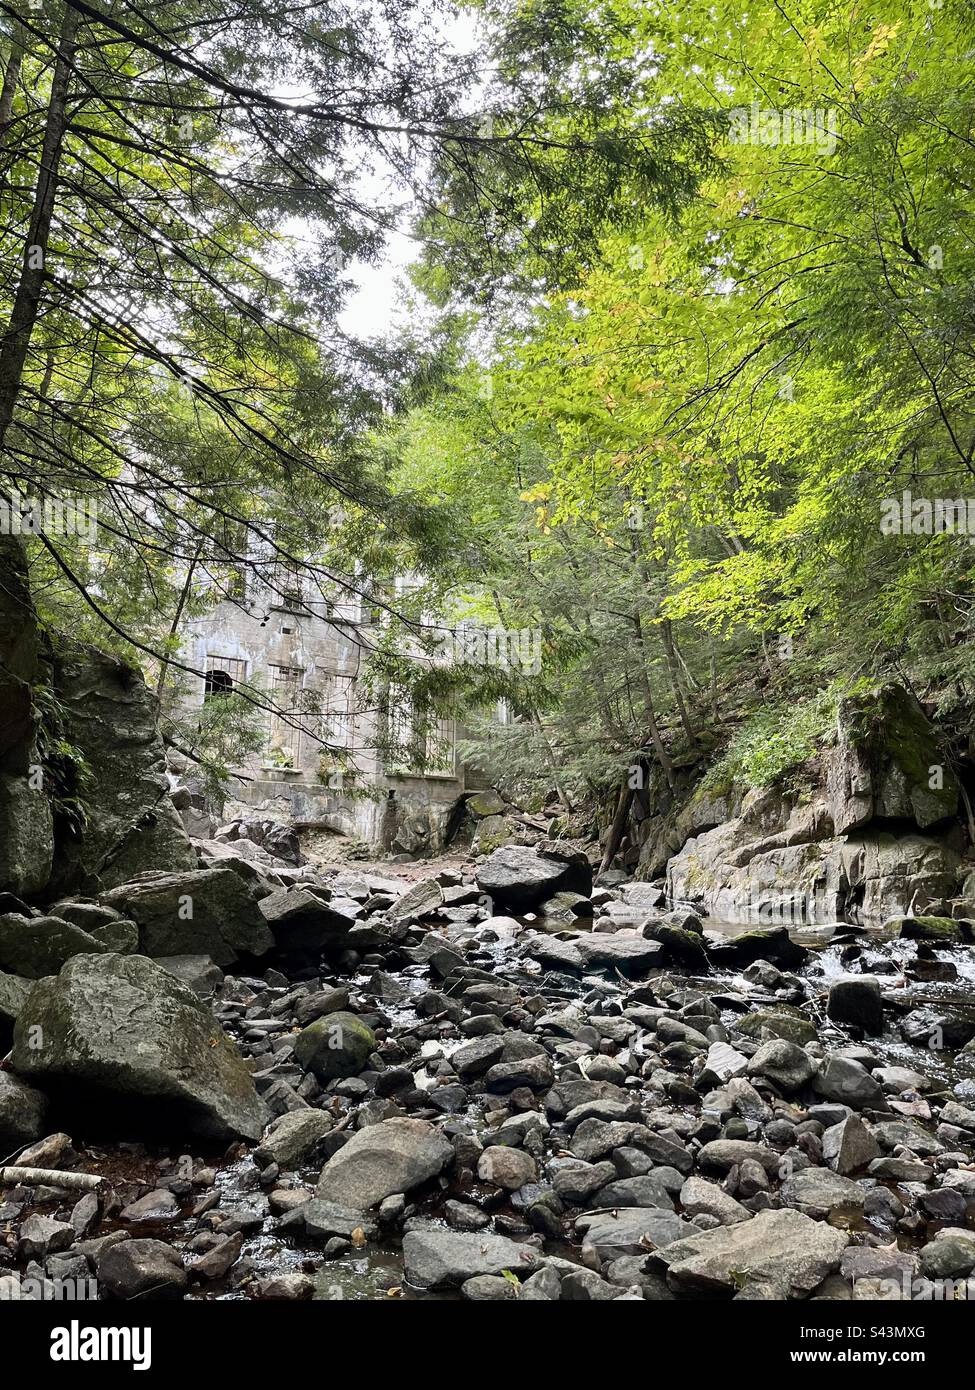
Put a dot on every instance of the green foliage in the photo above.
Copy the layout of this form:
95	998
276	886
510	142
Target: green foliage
774	742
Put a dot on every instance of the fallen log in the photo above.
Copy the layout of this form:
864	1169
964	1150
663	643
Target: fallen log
49	1177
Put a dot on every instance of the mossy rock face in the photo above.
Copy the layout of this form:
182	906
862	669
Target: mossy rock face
494	832
336	1046
909	772
938	929
13	992
775	1023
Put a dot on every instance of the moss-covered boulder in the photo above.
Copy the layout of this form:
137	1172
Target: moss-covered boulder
335	1046
121	1041
943	930
210	912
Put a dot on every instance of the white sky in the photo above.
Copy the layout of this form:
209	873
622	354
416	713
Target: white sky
376	304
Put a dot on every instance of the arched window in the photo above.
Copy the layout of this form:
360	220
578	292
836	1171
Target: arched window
217	683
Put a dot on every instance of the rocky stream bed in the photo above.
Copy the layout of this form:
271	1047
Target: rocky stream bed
493	1083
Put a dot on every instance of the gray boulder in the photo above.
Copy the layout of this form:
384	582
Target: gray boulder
37	946
208	912
784	1249
856	999
380	1160
519	878
111	1028
301	921
436	1259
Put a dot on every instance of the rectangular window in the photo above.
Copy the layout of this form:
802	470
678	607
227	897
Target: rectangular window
284	721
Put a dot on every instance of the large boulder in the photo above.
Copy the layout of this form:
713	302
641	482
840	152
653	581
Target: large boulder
120	1036
302	921
37	946
393	1156
519	878
110	716
209	912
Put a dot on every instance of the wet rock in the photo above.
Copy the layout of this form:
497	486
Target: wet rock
436	1259
154	1206
783	1248
394	1156
137	1268
857	999
120	1026
283	1287
944	931
337	1045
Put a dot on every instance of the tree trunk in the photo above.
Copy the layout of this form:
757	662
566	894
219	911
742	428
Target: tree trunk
663	757
618	826
11	76
15	341
667	641
174	625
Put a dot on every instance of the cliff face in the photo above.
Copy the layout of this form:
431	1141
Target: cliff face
84	799
875	834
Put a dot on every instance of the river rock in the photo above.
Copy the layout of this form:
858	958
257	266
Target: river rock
785	1064
786	1249
849	1146
335	1046
116	1027
857	999
292	1137
819	1192
134	1268
393	1156
301	921
436	1259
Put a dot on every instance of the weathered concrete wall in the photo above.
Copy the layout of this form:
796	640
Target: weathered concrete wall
388	809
